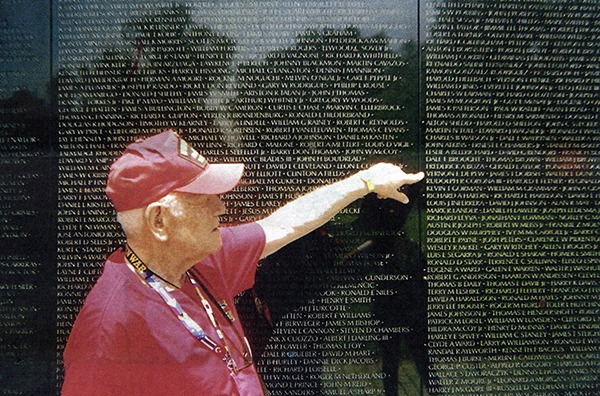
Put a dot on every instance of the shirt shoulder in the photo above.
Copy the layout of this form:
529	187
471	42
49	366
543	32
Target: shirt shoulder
235	264
240	237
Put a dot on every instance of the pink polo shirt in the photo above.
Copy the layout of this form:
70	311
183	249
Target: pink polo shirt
127	340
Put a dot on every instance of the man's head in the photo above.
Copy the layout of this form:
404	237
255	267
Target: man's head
166	195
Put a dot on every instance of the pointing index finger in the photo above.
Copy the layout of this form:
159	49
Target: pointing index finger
412	178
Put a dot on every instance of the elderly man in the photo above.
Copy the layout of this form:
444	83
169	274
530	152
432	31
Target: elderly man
161	319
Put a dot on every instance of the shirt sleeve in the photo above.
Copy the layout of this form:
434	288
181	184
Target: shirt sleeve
237	261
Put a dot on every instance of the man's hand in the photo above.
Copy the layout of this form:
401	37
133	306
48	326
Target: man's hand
385	180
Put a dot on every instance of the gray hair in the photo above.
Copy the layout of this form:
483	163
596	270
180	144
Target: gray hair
131	222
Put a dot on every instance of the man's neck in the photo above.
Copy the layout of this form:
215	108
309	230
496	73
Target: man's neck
159	263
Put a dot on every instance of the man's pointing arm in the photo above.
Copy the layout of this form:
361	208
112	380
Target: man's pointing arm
305	214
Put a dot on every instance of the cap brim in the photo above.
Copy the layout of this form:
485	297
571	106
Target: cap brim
215	179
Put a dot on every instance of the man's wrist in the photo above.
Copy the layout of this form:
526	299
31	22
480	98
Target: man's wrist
369	184
364	182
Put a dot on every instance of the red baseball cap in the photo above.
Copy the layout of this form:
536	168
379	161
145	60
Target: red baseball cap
151	168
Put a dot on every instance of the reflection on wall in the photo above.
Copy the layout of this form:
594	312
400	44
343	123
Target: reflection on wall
27	201
512	163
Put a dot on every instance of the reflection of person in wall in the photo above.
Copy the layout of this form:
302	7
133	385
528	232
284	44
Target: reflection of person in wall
160	319
401	301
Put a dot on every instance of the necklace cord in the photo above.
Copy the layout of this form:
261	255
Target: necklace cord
148	277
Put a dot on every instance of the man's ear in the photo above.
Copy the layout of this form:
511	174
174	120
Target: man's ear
156	216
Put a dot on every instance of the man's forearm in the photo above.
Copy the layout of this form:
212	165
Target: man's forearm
305	214
310	211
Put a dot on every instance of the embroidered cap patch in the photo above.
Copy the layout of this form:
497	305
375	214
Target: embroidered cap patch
189	153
